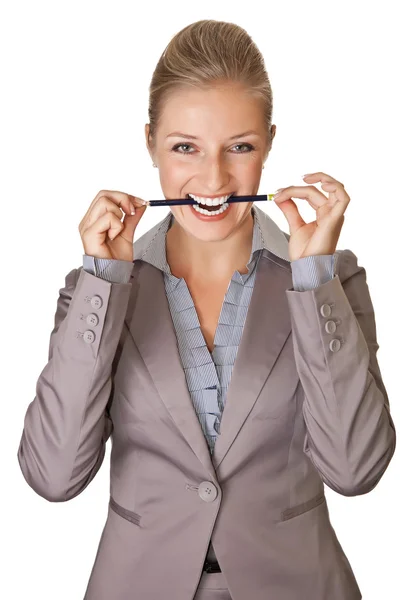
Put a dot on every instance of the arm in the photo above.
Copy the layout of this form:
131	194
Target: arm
350	436
66	426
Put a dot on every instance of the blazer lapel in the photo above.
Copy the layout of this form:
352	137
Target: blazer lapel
153	332
265	331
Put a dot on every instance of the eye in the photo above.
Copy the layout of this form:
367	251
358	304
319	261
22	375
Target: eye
175	148
249	147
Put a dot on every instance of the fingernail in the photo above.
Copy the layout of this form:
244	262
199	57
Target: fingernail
132	208
278	191
306	175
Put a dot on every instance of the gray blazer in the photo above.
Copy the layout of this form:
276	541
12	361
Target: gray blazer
306	406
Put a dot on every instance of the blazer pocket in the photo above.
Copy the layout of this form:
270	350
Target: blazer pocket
124	512
295	511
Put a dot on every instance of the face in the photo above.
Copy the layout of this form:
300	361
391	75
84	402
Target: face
198	151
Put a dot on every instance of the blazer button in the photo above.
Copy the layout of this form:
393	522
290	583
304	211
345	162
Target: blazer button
92	319
207	491
330	326
335	345
96	302
325	310
89	336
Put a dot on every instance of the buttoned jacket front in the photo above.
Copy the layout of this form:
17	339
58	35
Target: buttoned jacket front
306	406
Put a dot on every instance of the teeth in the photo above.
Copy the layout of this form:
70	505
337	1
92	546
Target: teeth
209	213
210	201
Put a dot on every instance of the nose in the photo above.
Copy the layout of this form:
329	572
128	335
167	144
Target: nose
215	174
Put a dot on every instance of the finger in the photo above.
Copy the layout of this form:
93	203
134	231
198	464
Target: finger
138	202
121	199
338	197
338	192
107	225
114	196
331	185
124	201
320	176
310	193
326	179
102	206
131	221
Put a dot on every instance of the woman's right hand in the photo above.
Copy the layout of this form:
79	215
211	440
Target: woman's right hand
103	233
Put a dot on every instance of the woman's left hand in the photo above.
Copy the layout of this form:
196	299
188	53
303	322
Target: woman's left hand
319	236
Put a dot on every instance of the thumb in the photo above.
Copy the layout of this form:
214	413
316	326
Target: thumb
291	212
131	221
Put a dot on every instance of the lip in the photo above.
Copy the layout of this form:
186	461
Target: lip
212	196
213	218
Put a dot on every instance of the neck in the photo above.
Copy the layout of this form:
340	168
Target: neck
215	261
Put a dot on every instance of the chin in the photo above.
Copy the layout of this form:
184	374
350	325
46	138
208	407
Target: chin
211	230
207	229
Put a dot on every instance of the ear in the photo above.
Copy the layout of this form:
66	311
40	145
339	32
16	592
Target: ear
148	139
273	131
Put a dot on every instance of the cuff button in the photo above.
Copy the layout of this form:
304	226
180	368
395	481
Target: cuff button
89	337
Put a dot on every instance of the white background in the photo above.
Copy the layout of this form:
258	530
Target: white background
75	78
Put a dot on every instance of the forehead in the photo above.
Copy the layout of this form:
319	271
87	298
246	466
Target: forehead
217	108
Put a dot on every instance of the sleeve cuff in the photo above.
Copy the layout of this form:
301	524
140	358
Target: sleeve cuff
112	270
310	272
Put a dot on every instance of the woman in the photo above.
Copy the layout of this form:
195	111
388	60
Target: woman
210	316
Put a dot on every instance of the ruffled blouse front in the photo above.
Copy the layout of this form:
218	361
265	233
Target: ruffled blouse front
207	374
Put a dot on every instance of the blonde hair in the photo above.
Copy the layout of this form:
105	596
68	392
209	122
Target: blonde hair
205	53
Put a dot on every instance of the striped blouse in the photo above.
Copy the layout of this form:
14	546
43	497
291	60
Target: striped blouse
208	374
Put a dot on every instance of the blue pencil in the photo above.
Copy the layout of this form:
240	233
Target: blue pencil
180	201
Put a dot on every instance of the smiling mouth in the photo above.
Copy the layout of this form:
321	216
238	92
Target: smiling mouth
206	206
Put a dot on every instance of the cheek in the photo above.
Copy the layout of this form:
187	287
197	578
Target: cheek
170	180
242	209
181	213
174	173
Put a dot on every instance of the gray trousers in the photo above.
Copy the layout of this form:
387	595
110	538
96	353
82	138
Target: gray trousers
212	586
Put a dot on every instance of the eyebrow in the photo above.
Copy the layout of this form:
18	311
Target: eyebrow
193	137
